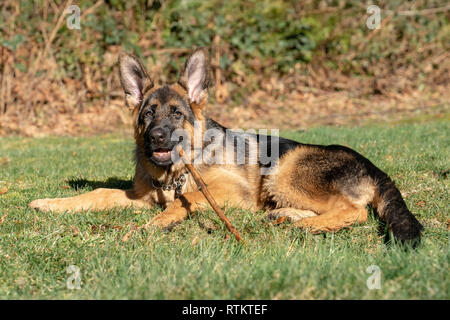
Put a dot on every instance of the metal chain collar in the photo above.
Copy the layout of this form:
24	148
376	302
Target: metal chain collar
176	184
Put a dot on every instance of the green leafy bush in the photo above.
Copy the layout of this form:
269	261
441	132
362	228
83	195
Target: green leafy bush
265	30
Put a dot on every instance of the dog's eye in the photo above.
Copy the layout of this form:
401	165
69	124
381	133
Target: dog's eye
177	114
151	111
148	113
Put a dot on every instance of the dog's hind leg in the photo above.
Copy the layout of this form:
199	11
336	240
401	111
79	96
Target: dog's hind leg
99	199
332	184
334	220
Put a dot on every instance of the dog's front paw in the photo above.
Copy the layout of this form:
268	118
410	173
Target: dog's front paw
166	219
54	205
43	205
160	221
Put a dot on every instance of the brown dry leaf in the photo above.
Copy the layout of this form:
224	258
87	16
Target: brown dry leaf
3	161
134	228
195	240
102	227
3	190
421	203
208	225
65	187
75	231
96	229
127	236
2	219
279	220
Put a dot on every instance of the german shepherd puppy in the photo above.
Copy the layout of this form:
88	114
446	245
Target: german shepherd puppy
320	188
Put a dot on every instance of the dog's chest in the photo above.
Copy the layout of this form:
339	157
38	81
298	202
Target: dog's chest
164	197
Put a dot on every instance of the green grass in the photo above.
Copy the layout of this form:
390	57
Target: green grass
275	262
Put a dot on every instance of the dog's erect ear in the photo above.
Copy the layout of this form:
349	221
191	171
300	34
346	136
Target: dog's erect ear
134	79
195	77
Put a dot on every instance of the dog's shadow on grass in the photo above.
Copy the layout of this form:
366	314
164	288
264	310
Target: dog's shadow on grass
110	183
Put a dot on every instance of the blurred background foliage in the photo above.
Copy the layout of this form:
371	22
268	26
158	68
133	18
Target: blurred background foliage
270	46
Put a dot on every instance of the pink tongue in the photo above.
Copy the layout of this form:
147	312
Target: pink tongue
162	155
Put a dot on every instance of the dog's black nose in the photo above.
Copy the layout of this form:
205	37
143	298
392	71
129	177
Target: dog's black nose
157	135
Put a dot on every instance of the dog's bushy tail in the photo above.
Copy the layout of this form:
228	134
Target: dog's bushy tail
392	209
386	199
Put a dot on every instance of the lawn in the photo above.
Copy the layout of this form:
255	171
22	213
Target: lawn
197	259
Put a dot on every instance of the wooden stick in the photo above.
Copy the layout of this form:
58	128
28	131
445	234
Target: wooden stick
202	186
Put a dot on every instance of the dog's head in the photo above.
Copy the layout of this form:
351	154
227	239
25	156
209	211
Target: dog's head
161	110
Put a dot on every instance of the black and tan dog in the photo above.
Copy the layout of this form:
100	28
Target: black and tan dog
321	188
